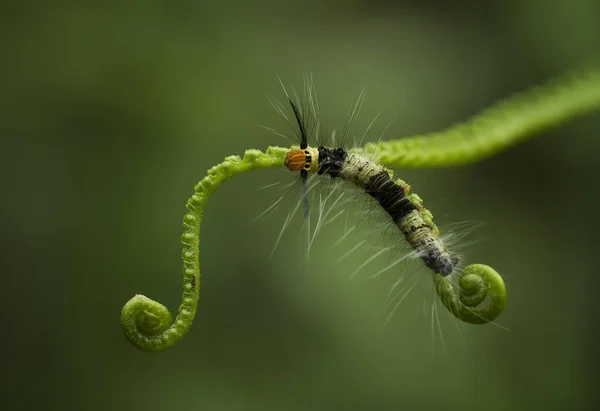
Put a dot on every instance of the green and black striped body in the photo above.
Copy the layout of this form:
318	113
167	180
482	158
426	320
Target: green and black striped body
406	210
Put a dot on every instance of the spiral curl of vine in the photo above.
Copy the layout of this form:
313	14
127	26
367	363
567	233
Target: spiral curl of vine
481	297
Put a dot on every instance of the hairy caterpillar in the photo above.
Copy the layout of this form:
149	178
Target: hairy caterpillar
404	208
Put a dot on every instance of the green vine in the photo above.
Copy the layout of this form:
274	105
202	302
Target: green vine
148	324
506	123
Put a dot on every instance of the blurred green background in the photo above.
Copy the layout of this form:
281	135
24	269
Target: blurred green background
112	111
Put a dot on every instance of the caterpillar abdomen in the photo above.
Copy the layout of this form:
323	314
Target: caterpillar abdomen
420	236
406	210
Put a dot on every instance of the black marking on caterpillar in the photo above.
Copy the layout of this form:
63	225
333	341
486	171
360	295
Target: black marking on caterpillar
389	195
331	161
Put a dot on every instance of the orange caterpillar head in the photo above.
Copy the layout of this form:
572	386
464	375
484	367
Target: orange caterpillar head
296	160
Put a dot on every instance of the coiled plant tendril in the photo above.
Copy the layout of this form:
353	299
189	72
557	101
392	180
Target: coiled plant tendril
147	323
481	297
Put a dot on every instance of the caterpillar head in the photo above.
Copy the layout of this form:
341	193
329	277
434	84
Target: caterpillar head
298	160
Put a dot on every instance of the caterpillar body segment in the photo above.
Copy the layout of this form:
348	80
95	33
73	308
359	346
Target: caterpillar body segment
406	210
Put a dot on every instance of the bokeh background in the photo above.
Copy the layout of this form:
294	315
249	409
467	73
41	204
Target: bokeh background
112	111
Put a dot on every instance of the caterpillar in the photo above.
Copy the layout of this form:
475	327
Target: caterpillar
406	209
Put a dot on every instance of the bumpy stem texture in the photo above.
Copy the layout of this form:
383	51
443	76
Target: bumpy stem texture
147	323
481	297
505	124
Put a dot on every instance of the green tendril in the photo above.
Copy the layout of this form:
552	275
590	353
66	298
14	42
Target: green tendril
505	124
147	323
481	297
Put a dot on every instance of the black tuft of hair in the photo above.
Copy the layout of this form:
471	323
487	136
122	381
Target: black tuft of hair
301	125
